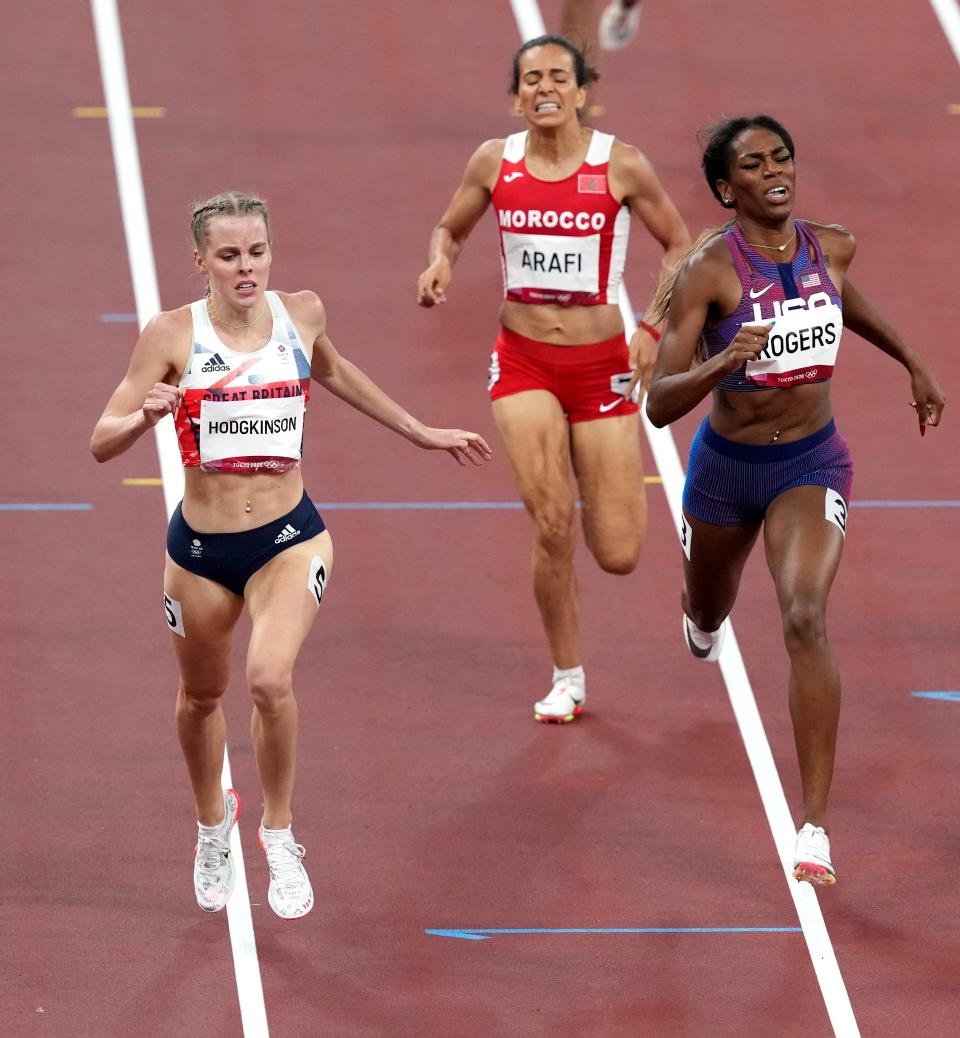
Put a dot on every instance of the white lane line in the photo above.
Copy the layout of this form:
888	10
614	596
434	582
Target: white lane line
758	751
755	743
667	460
949	14
529	19
147	294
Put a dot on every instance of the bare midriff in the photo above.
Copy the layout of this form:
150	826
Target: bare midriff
562	325
771	415
229	502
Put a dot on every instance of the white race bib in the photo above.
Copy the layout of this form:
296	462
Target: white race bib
552	261
802	347
251	428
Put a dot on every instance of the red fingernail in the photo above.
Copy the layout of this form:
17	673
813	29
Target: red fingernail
923	430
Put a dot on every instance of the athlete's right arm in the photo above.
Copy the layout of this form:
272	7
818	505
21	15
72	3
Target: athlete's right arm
676	388
148	390
468	204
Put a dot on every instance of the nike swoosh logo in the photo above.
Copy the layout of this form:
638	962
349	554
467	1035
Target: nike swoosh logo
757	295
511	176
609	407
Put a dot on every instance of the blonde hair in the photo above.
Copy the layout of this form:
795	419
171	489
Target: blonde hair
661	301
228	203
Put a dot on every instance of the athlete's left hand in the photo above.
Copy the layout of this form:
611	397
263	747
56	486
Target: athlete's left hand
643	356
462	446
928	399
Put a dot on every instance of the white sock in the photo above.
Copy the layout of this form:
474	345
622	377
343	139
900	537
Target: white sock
574	675
276	835
702	639
213	830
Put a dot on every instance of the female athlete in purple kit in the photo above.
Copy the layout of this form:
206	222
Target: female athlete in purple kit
761	303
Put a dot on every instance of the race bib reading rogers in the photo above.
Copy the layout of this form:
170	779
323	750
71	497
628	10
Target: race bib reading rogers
563	264
251	428
802	347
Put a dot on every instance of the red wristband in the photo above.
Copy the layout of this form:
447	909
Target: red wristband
654	333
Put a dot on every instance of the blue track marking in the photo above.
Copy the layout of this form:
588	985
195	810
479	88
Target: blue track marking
118	318
484	934
950	697
435	506
905	504
42	506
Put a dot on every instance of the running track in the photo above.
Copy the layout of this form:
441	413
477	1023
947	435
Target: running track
427	798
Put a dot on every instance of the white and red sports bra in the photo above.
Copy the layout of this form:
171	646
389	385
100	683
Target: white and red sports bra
244	412
562	242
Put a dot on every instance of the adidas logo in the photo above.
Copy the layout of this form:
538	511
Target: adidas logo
215	363
286	534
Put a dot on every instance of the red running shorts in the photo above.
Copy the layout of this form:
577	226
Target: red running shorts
589	380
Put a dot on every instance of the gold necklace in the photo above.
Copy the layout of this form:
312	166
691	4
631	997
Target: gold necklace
216	317
779	248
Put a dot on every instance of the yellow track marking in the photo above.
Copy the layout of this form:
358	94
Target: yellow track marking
142	112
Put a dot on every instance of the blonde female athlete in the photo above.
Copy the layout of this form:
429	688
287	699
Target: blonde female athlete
234	369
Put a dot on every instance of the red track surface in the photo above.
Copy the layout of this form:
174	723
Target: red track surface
427	797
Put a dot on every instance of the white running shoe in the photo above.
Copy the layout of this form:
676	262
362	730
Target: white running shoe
562	703
290	894
811	858
711	652
618	25
213	875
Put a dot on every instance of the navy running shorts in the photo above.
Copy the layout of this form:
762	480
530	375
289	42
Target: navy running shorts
733	484
231	559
